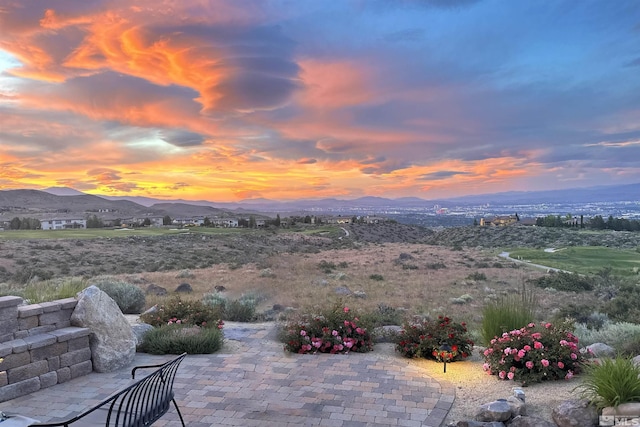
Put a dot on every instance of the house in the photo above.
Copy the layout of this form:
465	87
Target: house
225	222
500	221
63	224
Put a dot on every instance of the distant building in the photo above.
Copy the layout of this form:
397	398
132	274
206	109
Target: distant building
499	221
63	224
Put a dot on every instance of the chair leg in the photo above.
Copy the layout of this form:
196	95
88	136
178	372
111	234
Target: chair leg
179	413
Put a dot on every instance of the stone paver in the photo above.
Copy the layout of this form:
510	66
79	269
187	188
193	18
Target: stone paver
261	385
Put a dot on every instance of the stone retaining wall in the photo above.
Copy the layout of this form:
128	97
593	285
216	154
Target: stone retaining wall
39	346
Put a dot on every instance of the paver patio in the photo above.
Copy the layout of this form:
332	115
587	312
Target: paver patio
261	385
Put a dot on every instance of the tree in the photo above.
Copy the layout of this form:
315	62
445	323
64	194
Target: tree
146	222
166	220
597	223
206	222
94	222
252	221
277	221
15	224
307	219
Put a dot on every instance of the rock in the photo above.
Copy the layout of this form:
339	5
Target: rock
277	308
184	288
630	409
470	423
636	360
342	290
220	288
519	393
498	410
156	290
139	330
523	421
360	294
599	349
112	342
517	406
575	413
150	310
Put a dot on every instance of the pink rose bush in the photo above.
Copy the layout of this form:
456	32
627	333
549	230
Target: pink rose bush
336	330
442	340
532	354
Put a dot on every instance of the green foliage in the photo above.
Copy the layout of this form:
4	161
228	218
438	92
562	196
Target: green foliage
508	313
177	339
533	354
240	310
562	281
130	298
187	312
376	277
382	315
336	329
625	306
477	276
50	290
327	267
611	382
443	340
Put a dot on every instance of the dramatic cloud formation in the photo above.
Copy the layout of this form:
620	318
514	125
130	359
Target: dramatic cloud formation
225	100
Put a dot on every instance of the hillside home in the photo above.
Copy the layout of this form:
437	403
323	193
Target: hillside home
225	222
63	224
499	221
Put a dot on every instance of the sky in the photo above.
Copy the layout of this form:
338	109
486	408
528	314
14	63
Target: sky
226	100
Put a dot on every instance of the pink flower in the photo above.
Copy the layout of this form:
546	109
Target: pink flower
502	374
507	351
348	344
334	333
359	331
544	362
510	375
486	366
574	356
303	333
569	375
548	325
317	344
538	345
563	342
529	364
521	354
346	309
178	321
527	348
493	341
488	351
560	365
536	335
347	323
531	325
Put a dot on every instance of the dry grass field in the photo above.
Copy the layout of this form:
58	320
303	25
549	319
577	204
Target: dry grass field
423	272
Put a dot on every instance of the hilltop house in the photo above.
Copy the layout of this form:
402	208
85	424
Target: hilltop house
500	220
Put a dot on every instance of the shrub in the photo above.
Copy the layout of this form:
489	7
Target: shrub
533	354
625	307
240	310
334	330
326	266
611	382
477	276
435	266
377	277
177	339
176	310
383	315
129	298
622	336
443	340
506	314
562	281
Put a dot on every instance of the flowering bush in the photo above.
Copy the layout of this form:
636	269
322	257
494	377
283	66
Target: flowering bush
533	354
336	330
177	311
443	340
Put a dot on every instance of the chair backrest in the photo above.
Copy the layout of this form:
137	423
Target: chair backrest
145	401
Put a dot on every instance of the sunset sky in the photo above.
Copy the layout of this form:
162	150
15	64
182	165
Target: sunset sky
227	100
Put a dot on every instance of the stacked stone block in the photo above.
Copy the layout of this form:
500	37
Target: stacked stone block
39	346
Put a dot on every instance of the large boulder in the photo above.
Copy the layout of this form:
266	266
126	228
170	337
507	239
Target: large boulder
112	342
517	406
575	413
498	410
600	349
628	410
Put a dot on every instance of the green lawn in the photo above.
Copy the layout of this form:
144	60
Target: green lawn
584	259
93	233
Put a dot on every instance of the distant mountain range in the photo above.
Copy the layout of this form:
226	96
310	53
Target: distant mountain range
67	200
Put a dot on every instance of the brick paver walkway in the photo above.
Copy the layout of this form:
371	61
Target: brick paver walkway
261	385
